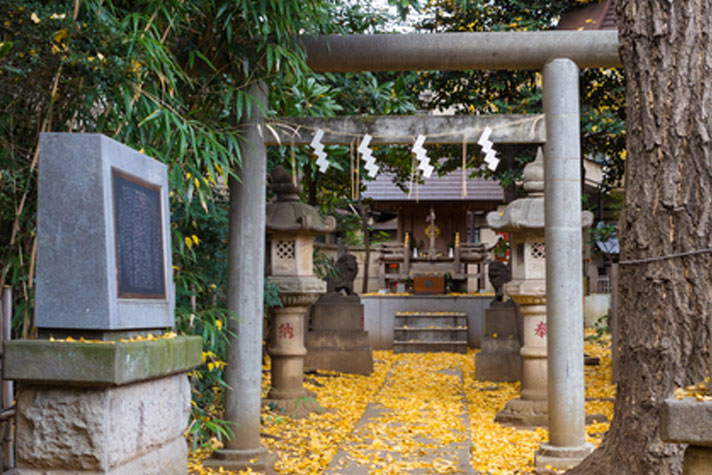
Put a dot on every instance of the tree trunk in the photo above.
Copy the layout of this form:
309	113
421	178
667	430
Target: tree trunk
664	305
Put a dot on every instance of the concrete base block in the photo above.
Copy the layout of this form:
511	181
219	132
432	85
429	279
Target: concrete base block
499	360
258	460
524	413
334	350
549	458
697	461
137	428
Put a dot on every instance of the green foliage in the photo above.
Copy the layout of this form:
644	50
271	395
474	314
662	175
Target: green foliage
324	268
271	295
601	328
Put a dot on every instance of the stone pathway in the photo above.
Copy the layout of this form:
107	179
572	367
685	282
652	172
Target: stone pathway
396	433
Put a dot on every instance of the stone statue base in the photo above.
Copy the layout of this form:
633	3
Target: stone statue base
337	340
500	359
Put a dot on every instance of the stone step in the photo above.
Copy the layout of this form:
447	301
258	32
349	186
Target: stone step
431	314
430	319
429	346
424	332
430	334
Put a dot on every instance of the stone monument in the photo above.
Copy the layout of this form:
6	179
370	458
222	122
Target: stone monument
524	220
292	225
337	340
103	238
500	358
103	272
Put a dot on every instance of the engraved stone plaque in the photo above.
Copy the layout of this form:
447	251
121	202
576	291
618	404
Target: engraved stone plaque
139	239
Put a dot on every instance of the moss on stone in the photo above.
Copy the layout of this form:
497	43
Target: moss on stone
99	364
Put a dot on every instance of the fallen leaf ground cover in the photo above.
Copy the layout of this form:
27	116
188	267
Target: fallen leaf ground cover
424	398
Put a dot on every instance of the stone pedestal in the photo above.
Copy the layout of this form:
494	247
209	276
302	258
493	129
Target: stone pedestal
531	408
337	340
109	408
689	421
550	457
500	359
287	352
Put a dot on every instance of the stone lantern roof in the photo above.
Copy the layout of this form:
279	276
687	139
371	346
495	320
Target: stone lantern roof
524	213
288	214
527	214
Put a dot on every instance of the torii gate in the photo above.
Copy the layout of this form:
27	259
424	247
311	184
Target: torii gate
559	54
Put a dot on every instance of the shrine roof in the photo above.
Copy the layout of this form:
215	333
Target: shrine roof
435	188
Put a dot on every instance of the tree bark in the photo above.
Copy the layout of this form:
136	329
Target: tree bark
664	306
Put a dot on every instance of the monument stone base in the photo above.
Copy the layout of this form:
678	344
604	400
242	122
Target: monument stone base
102	408
338	341
500	359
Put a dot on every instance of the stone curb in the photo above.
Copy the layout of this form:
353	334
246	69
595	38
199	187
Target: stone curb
99	364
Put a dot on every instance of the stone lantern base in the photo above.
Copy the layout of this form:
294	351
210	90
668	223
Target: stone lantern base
109	408
524	413
287	350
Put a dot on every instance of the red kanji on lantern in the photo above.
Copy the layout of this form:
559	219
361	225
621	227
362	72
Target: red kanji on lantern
540	330
285	330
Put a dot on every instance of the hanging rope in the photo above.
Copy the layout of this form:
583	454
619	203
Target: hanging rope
358	178
412	176
464	166
466	132
351	174
293	161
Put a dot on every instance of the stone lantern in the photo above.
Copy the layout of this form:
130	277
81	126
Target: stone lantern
292	225
524	220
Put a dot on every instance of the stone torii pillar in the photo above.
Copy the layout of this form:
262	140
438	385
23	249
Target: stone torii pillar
246	252
567	444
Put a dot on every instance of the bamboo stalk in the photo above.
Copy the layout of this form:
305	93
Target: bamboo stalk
8	443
